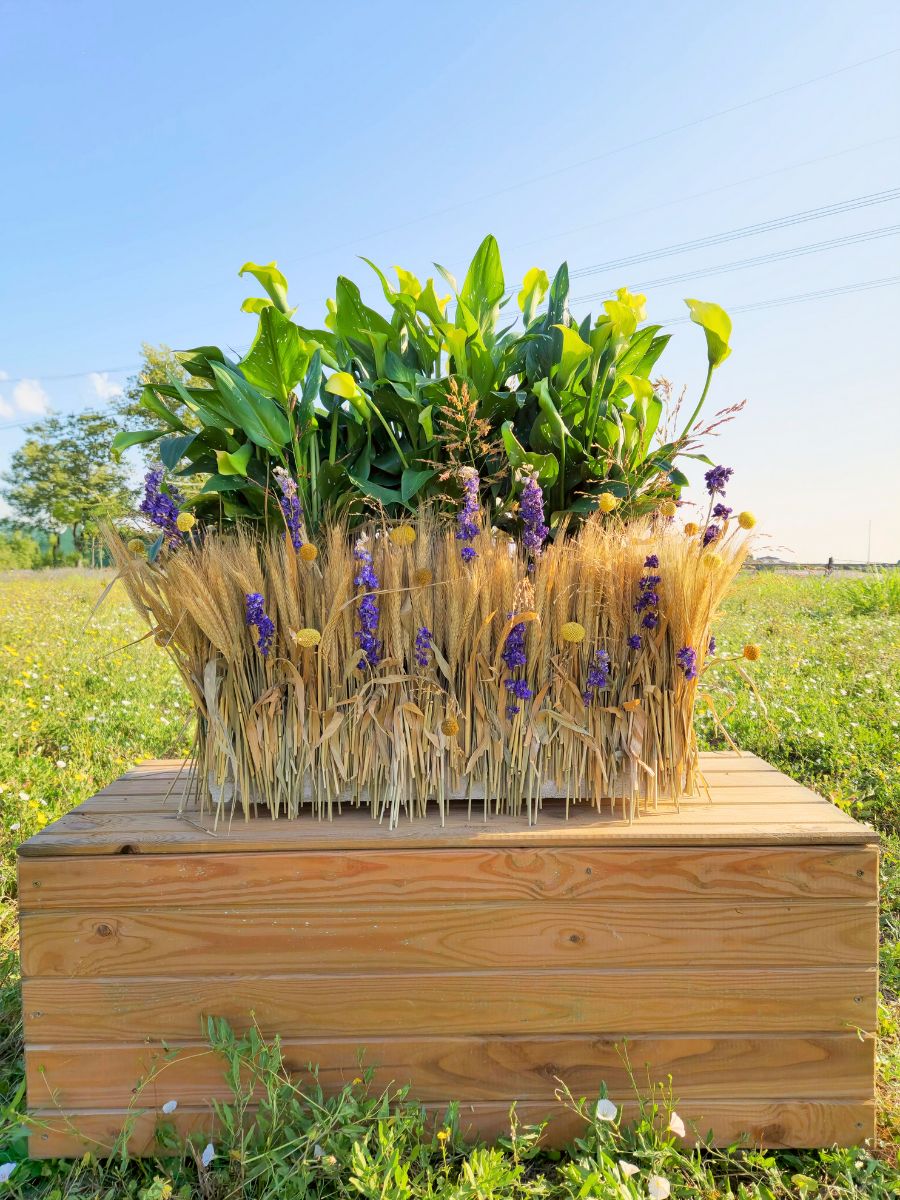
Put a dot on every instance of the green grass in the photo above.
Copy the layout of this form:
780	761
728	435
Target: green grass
824	708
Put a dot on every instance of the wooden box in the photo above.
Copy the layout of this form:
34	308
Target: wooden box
730	943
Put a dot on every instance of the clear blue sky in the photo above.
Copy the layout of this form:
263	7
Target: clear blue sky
149	150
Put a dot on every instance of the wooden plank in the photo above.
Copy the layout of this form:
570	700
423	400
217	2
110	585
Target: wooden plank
401	876
770	1123
344	939
799	1000
439	1068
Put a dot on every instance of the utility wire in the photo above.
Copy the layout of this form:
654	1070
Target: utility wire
850	239
803	297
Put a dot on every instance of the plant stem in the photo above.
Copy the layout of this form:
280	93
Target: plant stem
696	411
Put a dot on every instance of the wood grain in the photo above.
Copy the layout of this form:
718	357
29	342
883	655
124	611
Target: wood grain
502	1002
440	1068
346	939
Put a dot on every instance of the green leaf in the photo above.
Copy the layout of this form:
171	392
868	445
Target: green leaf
716	324
260	418
385	495
534	288
408	283
575	352
273	281
255	304
278	358
483	287
122	441
236	463
558	429
545	465
196	362
152	403
173	449
225	483
412	480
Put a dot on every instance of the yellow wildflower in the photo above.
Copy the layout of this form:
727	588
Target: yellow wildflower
450	727
307	638
136	546
402	535
711	560
607	502
668	508
746	520
572	632
185	521
443	1135
308	552
752	652
691	529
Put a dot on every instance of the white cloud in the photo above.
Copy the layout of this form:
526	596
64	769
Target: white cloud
30	397
6	409
105	388
4	375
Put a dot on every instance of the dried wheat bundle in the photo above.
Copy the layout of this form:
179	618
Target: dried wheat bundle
395	670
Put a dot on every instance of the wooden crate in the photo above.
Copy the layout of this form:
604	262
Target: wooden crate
731	942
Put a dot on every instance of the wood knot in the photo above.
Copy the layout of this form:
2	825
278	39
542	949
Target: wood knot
575	938
104	931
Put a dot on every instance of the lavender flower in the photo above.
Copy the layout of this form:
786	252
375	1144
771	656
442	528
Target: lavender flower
652	560
532	508
367	609
647	601
712	645
710	534
687	660
597	676
162	507
265	626
716	478
635	641
424	640
514	656
289	503
650	620
467	517
722	511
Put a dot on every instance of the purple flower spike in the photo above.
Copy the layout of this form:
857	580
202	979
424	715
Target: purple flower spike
162	506
467	517
635	641
532	509
597	676
712	645
514	656
289	503
716	478
367	608
687	660
710	534
424	640
467	554
722	511
652	560
264	625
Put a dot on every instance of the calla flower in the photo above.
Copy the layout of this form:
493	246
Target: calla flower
676	1125
605	1110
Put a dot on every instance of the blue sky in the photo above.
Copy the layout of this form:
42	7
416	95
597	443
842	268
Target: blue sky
148	151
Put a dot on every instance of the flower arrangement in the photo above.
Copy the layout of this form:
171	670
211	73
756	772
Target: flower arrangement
378	596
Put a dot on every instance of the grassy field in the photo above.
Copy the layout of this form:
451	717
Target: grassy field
76	709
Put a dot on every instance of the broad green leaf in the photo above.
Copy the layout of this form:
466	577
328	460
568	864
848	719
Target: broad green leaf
236	463
451	279
641	389
534	288
483	287
122	441
408	283
173	449
152	403
413	480
425	419
273	281
278	358
432	305
546	466
260	418
575	352
385	495
226	483
197	361
716	324
558	298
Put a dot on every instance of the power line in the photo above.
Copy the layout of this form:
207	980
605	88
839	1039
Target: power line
71	374
653	137
802	298
850	239
717	239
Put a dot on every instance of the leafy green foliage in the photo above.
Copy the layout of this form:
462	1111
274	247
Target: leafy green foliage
354	410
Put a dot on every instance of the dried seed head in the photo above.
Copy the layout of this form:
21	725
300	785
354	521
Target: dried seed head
607	502
691	529
402	535
752	652
450	726
308	552
572	632
711	560
422	577
307	638
668	508
185	522
746	520
137	546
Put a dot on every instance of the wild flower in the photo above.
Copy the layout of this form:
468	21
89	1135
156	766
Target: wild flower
367	609
712	645
716	478
722	511
597	676
162	506
256	618
746	520
710	533
308	639
658	1188
668	509
647	601
402	535
185	522
449	727
572	632
208	1154
752	652
169	1106
289	503
308	552
691	528
687	660
532	510
514	656
676	1125
6	1170
635	641
605	1110
651	561
424	641
467	517
607	502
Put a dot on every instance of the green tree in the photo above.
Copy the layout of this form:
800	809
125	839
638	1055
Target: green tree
64	476
160	366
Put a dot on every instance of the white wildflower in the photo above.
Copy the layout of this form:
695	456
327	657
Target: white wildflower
208	1154
676	1125
169	1106
628	1169
318	1152
606	1110
6	1169
658	1188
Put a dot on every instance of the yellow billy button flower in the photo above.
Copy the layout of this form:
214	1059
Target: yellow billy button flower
752	652
307	638
402	535
422	577
668	508
691	529
746	520
607	502
308	552
136	546
185	522
711	560
449	727
572	632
